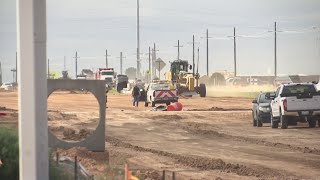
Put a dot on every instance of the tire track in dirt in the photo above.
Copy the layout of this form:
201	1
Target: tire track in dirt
203	163
201	129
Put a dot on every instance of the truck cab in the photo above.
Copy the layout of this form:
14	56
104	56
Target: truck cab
108	75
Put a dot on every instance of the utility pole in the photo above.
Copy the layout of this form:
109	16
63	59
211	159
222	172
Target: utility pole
178	49
120	62
121	58
159	70
198	66
48	68
16	67
138	39
193	65
275	49
154	58
107	58
77	64
207	52
235	52
64	63
150	75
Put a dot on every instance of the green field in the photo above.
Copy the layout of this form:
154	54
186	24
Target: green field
232	91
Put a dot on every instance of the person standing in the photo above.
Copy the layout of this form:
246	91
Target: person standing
136	94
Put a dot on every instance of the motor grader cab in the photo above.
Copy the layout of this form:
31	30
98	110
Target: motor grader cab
184	81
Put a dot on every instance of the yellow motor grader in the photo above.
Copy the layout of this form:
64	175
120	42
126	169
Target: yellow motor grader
186	83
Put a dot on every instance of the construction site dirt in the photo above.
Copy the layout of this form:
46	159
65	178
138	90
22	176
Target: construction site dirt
212	138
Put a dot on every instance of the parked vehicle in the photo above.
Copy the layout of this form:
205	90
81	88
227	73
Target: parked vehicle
261	110
121	82
108	75
293	103
160	92
7	86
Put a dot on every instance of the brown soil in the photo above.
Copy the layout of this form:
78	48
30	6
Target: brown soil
212	138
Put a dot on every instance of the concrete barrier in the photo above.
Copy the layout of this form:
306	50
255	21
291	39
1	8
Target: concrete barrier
96	141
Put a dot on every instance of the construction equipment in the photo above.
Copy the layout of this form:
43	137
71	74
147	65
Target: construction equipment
108	75
186	83
121	82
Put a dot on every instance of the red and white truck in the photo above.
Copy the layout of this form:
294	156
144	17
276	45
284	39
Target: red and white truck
160	92
108	75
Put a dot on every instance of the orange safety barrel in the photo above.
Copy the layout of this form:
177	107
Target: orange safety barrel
176	106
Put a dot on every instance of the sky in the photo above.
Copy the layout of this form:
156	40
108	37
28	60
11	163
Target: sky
92	26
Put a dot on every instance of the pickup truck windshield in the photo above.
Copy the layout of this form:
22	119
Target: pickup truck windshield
107	73
296	89
160	87
263	99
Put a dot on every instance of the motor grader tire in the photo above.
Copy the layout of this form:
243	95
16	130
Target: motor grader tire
202	90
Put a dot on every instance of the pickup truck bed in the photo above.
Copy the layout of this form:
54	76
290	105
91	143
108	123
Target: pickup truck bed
294	103
160	95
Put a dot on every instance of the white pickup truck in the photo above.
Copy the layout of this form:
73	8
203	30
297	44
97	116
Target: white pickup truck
160	92
293	103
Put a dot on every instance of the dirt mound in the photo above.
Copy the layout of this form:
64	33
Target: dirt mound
204	130
203	163
220	109
54	116
167	117
94	162
147	175
70	134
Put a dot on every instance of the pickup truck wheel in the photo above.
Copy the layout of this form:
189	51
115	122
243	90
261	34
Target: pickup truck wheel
274	123
284	122
319	123
146	104
259	122
168	103
254	122
153	104
312	122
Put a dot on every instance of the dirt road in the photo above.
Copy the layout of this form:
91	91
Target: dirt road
212	138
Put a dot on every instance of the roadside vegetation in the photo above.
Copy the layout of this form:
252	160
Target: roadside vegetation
9	156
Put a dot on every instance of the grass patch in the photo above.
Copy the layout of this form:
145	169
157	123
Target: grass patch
243	92
9	155
113	92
